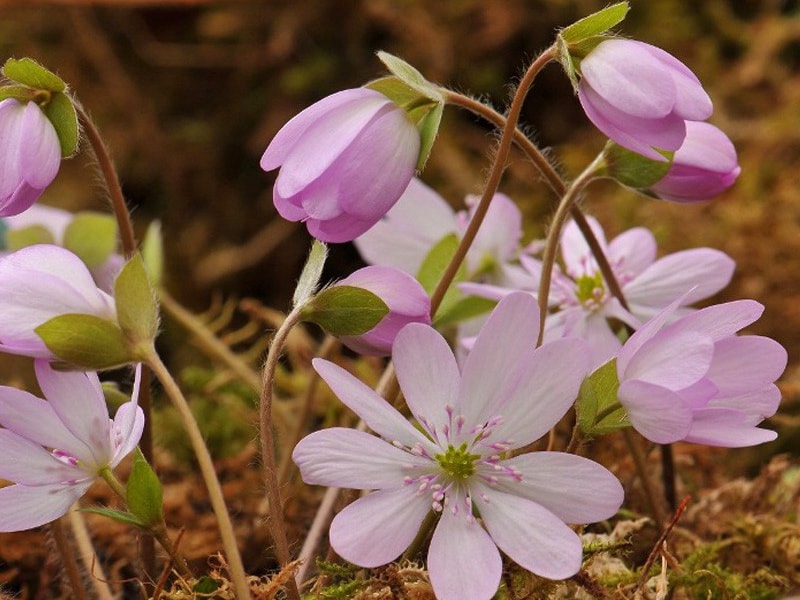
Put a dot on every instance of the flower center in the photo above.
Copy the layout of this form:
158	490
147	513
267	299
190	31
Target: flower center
590	290
457	463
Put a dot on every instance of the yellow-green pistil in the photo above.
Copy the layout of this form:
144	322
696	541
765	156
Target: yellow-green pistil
589	289
457	463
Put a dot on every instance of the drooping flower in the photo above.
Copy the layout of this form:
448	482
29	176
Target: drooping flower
30	155
703	167
696	380
407	301
422	218
580	297
640	96
54	449
507	395
38	283
344	162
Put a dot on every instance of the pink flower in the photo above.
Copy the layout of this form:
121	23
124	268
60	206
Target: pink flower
38	283
407	301
640	96
30	155
507	395
703	167
696	380
54	449
344	162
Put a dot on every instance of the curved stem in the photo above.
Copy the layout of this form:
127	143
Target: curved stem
495	174
88	554
68	559
268	444
238	576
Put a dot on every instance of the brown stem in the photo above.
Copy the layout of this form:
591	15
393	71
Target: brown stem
68	560
656	511
88	554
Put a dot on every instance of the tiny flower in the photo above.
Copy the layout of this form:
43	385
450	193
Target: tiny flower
30	155
344	162
640	96
54	449
696	380
38	283
703	167
407	301
507	395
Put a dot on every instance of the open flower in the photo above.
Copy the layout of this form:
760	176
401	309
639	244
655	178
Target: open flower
30	155
54	449
38	283
344	162
696	380
640	96
704	166
507	395
407	301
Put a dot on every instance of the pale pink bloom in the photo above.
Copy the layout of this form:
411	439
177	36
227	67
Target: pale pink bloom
54	449
38	283
580	297
422	218
344	161
507	395
407	301
695	380
30	155
640	96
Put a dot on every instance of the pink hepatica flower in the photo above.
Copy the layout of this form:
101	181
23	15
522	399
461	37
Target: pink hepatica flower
38	283
580	295
30	155
344	162
507	395
640	96
54	449
696	380
421	218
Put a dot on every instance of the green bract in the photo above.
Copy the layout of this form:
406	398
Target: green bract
598	409
137	308
345	310
143	493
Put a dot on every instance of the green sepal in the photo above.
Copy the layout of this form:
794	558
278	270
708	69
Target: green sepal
143	493
88	341
595	24
16	239
411	77
153	253
312	271
428	126
30	73
135	299
433	267
597	396
22	93
92	236
119	516
634	170
345	310
465	308
61	112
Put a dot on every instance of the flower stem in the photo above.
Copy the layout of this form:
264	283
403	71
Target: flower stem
238	576
641	468
268	464
88	554
495	174
68	560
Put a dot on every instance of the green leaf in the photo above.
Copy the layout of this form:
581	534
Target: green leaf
28	236
433	267
398	92
345	310
312	271
137	308
206	585
595	24
87	341
119	516
17	92
62	115
92	236
410	76
28	72
632	169
153	253
465	308
598	408
143	493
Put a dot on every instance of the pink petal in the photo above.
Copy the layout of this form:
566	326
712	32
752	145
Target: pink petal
338	230
129	422
744	363
632	251
721	320
11	117
500	232
575	250
23	507
727	428
40	151
757	405
657	413
375	529
691	100
23	461
672	361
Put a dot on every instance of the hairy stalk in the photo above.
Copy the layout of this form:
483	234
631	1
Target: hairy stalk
277	526
238	576
88	555
68	560
641	467
495	174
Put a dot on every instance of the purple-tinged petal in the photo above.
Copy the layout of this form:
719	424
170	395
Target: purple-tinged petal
745	363
691	100
338	230
562	482
672	361
346	458
575	251
23	461
377	528
463	561
532	536
757	405
657	413
727	428
485	290
720	321
499	234
39	151
128	424
23	507
594	329
631	252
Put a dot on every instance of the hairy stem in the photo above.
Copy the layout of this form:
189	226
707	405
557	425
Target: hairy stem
641	468
88	555
68	560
